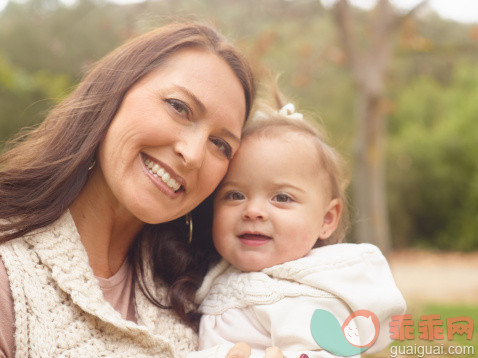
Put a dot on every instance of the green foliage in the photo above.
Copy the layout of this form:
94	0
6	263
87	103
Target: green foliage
44	48
25	97
43	34
433	171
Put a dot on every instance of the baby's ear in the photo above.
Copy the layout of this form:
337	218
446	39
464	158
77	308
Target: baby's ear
331	218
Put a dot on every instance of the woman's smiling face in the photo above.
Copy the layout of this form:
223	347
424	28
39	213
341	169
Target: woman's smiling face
170	143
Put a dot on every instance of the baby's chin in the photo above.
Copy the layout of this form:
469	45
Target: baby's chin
249	267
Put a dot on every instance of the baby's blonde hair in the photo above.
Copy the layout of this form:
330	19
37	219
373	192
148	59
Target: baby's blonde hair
268	122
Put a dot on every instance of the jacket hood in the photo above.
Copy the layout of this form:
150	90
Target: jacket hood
357	273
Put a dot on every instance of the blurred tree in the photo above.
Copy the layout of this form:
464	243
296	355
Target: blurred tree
369	67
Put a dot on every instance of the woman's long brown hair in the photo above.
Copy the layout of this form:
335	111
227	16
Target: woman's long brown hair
42	171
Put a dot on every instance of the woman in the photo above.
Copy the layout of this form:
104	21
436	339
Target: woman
95	200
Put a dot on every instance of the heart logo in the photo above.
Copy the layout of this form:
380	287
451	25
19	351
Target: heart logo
357	333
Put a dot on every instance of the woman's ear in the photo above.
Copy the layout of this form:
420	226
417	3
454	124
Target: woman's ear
331	219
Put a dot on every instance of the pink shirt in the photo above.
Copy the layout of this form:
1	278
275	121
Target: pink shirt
117	290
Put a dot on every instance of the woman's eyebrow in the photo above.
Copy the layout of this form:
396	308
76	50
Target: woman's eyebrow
197	101
202	109
234	137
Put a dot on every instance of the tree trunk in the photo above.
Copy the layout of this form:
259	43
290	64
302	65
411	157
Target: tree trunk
369	67
369	183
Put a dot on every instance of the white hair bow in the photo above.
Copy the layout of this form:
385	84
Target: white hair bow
289	111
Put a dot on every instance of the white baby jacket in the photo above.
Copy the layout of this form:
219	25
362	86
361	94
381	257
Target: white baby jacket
274	307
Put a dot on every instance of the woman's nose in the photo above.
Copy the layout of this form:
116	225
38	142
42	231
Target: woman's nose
192	149
254	211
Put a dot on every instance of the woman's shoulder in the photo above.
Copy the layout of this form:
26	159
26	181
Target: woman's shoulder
3	276
7	315
5	292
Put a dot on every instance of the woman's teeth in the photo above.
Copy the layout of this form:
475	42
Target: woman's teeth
159	172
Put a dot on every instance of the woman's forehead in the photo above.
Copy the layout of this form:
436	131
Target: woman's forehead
204	76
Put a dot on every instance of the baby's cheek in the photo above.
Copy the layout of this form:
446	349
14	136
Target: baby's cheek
302	239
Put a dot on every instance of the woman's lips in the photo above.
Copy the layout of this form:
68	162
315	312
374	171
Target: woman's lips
162	176
254	239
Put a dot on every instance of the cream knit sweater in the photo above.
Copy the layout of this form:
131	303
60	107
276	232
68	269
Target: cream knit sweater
60	310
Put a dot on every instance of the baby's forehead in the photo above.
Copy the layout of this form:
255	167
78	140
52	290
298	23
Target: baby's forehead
277	152
295	141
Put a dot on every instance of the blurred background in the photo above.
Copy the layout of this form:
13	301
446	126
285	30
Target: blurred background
394	83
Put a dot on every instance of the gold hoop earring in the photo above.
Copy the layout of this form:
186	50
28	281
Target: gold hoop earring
189	222
92	165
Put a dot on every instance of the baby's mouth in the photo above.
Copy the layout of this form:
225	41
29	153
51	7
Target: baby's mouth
254	239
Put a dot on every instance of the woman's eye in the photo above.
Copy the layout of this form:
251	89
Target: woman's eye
235	195
223	147
179	107
282	198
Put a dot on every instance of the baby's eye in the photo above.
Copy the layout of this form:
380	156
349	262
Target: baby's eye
282	198
235	195
222	146
179	107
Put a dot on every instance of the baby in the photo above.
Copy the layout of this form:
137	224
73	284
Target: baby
285	279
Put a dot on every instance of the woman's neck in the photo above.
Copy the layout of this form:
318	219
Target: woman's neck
107	229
